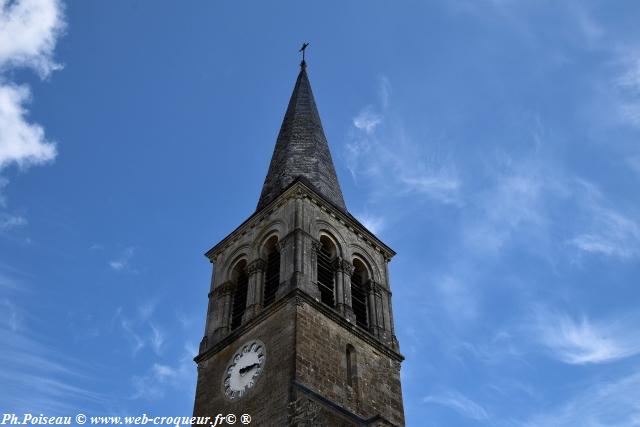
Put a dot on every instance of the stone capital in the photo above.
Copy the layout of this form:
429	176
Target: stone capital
255	266
226	288
373	287
347	267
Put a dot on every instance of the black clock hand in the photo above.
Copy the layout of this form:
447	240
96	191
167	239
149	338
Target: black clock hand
248	368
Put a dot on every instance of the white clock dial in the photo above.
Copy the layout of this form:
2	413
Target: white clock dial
243	370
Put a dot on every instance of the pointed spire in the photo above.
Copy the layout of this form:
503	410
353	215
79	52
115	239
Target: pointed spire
301	150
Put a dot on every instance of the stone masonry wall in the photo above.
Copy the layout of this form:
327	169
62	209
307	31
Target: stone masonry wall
321	365
267	402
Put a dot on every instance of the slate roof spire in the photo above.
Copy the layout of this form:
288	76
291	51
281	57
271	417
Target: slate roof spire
302	150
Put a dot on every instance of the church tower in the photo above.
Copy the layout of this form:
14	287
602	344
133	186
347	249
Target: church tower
299	327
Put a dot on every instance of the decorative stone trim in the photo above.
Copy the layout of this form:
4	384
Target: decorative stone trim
226	288
375	287
348	268
307	193
256	265
298	301
225	337
305	413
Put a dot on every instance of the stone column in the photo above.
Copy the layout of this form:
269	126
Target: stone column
210	303
315	249
378	292
222	297
394	340
371	307
283	286
345	271
254	289
311	287
376	309
297	246
339	284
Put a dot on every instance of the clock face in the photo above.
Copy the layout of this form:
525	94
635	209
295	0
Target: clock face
243	370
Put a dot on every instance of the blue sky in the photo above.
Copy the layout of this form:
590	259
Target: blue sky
494	144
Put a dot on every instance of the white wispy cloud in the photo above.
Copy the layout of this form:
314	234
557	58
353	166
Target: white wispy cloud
384	91
457	298
29	30
123	261
34	373
8	221
374	223
630	77
11	316
140	328
146	309
21	142
609	403
520	203
179	376
634	163
367	120
135	339
584	341
459	403
501	347
157	338
382	154
607	231
511	206
624	89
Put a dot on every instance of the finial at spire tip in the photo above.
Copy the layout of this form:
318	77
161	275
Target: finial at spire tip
302	49
303	64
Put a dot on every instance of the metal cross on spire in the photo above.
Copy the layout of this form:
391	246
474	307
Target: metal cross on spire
302	49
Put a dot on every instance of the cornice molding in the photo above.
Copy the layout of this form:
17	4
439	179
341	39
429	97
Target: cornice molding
299	190
302	300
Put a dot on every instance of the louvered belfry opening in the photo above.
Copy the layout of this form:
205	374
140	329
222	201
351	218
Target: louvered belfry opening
326	274
240	295
272	277
359	296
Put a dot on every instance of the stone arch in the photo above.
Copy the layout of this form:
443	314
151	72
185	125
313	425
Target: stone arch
274	228
239	265
358	252
240	253
239	276
362	266
358	285
327	229
328	253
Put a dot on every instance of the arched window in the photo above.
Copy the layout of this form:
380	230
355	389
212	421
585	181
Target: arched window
352	366
326	275
241	279
358	293
272	272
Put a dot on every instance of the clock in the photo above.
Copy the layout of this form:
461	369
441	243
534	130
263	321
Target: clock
244	369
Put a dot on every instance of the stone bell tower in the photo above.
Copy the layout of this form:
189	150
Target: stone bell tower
299	327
